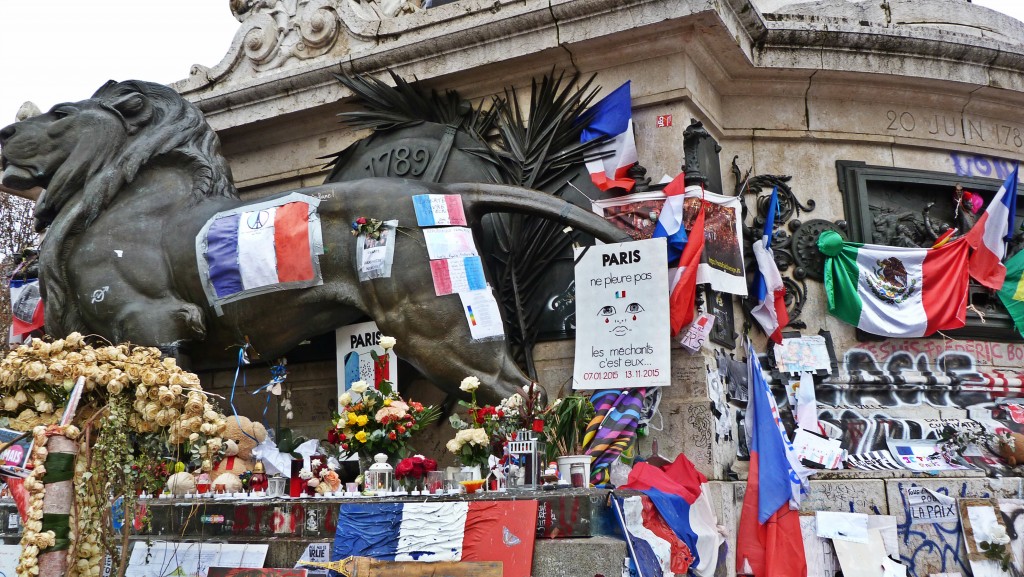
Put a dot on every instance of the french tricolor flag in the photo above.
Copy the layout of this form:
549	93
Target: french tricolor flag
670	220
260	248
672	528
612	117
989	235
769	291
440	531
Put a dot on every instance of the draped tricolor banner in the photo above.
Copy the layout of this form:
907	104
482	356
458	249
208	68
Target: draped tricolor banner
440	531
258	248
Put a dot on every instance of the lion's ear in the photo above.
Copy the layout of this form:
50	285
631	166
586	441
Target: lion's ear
135	109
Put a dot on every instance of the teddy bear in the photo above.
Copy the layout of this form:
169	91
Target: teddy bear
241	435
181	484
1013	453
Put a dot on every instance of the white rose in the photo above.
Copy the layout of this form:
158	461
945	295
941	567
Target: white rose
10	404
470	384
997	534
514	401
344	400
388	343
359	387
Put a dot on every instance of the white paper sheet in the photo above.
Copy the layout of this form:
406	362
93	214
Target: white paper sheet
925	506
482	314
449	242
860	559
842	526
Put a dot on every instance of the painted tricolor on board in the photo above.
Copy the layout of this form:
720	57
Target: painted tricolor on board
267	246
440	531
896	292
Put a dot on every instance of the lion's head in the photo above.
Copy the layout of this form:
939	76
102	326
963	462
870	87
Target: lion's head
84	154
97	146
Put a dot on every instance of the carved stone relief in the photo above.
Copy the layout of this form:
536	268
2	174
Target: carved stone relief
276	31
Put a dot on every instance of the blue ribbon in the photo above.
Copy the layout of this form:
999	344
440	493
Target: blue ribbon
242	361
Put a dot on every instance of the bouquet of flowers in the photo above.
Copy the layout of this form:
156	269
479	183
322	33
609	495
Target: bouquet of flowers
411	470
377	420
487	429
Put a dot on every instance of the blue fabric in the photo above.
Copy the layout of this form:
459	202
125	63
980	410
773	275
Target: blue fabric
672	212
774	474
222	255
676	512
1010	200
646	561
610	116
368	530
760	286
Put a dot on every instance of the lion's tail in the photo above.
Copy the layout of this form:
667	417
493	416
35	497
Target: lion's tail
479	199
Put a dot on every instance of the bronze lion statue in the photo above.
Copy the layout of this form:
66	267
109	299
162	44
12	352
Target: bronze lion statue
134	174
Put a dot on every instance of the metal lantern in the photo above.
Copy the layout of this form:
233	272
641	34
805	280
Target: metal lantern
380	476
529	449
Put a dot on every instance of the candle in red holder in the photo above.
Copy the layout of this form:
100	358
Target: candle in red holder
296	486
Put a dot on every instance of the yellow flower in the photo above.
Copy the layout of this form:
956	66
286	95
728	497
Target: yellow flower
362	420
351	419
387	402
361	436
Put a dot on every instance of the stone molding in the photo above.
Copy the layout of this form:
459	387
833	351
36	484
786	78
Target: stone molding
282	58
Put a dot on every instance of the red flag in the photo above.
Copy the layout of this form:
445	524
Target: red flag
684	293
775	549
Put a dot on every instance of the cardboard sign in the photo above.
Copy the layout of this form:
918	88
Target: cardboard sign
15	457
622	320
353	344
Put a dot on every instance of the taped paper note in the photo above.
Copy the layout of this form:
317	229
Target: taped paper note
925	506
482	314
451	242
439	210
456	275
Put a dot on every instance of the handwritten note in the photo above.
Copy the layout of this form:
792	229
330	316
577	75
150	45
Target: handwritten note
482	314
456	275
451	242
439	210
823	452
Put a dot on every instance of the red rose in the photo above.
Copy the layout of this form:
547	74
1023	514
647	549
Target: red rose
429	465
392	435
501	414
343	437
361	220
405	466
401	429
344	446
538	425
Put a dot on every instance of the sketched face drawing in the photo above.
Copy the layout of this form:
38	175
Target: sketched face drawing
619	322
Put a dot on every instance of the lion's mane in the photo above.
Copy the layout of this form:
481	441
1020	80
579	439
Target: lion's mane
173	131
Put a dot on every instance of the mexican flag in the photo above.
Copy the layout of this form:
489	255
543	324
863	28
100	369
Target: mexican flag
893	291
1012	293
